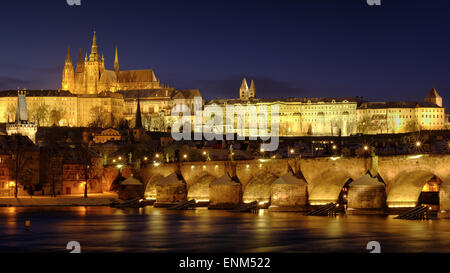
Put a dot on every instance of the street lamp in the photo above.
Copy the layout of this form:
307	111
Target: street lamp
366	148
418	144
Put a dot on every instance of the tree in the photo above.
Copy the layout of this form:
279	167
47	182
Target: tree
99	117
412	126
21	159
56	172
89	168
159	123
147	121
10	112
41	113
56	115
364	125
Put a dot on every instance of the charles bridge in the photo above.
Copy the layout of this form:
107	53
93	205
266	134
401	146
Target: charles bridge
371	184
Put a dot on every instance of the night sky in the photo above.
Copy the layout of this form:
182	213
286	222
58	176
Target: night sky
316	48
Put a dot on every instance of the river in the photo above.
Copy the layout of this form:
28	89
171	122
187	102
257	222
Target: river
104	229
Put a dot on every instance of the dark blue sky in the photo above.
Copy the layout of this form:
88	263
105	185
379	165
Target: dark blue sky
396	51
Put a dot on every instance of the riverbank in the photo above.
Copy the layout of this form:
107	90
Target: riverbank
103	199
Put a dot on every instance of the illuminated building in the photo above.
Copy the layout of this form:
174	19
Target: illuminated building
402	117
94	96
91	77
297	116
336	116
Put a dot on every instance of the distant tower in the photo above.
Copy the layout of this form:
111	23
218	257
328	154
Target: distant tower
116	62
138	130
252	90
79	75
93	68
433	97
80	63
243	91
138	124
22	126
68	78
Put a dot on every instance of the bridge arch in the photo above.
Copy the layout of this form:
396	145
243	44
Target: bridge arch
407	187
259	188
327	186
150	187
199	189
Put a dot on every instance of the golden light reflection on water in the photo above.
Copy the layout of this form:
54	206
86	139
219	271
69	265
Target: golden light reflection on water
203	230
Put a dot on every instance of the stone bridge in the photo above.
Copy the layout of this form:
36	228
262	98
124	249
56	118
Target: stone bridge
401	179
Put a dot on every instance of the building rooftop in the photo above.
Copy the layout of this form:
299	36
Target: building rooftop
397	104
433	94
270	100
38	93
167	93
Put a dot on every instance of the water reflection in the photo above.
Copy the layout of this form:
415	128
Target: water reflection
103	229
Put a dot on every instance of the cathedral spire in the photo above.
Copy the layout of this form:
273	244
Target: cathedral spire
138	124
68	59
94	50
116	62
68	74
252	90
243	91
244	84
94	40
80	64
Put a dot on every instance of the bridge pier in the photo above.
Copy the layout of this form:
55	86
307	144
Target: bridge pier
259	189
199	190
224	193
170	191
289	193
444	200
404	178
366	195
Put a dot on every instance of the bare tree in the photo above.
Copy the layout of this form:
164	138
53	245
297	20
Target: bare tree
99	117
56	172
10	112
364	125
159	123
41	113
20	163
56	115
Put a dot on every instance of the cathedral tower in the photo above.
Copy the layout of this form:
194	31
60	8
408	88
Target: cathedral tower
252	90
93	68
244	91
116	62
68	78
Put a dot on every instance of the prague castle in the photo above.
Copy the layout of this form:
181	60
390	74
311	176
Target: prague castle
91	77
340	116
92	95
